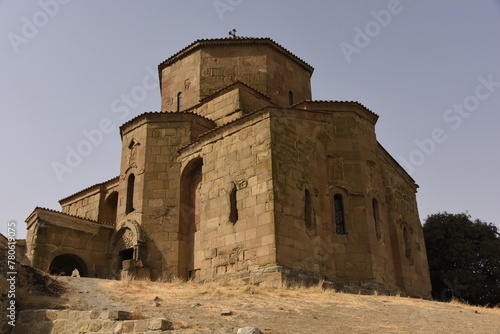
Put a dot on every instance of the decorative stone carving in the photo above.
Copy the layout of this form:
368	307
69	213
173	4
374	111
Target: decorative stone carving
242	184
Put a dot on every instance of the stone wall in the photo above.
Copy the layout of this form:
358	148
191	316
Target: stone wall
231	104
94	203
245	182
320	153
182	76
52	234
87	206
259	66
150	150
406	234
235	158
205	68
117	322
222	108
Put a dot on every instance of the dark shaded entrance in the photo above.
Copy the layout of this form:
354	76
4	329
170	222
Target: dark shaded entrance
124	255
64	265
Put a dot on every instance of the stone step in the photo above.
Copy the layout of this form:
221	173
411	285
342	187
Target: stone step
109	322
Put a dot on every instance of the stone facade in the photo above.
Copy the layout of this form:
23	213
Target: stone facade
58	243
243	176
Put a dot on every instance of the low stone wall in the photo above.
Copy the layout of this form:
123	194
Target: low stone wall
109	322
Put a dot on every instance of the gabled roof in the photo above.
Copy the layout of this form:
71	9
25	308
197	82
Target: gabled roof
398	166
230	87
37	209
95	186
299	106
331	101
317	104
232	41
237	120
160	113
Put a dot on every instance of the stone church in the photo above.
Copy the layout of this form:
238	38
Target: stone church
243	176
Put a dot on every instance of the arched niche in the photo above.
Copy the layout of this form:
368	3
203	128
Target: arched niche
128	243
110	206
190	217
64	265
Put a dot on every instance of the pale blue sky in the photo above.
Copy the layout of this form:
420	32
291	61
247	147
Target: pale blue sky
60	74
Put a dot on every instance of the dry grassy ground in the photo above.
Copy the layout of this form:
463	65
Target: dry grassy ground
299	310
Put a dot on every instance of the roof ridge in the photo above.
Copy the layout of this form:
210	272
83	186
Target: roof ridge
90	187
333	101
233	84
161	112
222	126
233	40
74	216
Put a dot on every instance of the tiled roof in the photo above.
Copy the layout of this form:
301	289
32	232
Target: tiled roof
230	86
158	113
223	126
73	216
88	188
256	111
232	40
396	163
332	101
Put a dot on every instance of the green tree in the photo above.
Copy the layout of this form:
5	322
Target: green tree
464	258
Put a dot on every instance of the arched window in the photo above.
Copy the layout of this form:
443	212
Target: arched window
179	102
290	98
130	194
233	205
308	211
338	205
407	243
376	219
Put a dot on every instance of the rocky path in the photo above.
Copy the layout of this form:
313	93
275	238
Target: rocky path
90	294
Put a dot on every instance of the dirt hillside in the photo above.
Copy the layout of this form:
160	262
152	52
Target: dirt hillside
300	310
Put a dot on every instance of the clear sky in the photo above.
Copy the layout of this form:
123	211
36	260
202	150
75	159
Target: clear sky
430	69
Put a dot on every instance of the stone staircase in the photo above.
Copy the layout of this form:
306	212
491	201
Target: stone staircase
109	322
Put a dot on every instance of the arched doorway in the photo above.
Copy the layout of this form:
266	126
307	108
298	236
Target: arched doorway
127	248
124	249
64	265
190	219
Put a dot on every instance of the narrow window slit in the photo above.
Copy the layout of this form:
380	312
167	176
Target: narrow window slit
339	214
233	205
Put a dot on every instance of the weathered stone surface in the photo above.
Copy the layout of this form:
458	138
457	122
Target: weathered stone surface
118	315
242	176
160	324
141	325
59	326
249	330
95	325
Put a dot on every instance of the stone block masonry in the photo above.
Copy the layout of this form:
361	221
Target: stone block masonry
242	176
106	322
